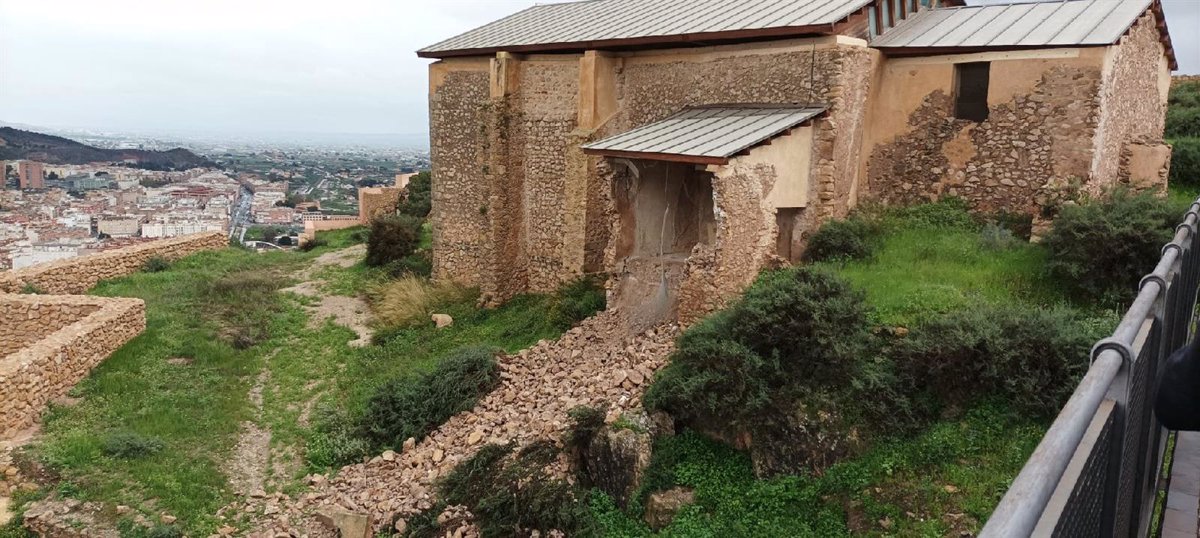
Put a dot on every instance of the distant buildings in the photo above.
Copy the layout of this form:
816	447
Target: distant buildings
31	175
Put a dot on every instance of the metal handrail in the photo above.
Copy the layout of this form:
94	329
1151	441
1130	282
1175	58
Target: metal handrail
1022	507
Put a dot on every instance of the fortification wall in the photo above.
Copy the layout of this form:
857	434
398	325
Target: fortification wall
80	332
77	275
25	322
376	201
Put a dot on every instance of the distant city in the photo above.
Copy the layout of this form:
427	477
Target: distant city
260	192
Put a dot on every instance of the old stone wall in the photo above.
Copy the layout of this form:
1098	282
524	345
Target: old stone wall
376	201
1133	108
77	275
459	111
24	322
1043	109
81	331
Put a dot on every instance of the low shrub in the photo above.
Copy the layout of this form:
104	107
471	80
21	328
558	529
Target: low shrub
1185	163
411	300
578	300
313	244
1099	250
413	406
164	531
850	239
30	289
946	213
392	239
130	445
334	441
513	495
419	263
156	264
996	237
1029	356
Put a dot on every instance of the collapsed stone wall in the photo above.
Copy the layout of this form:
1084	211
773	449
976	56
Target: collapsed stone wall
90	329
1133	109
77	275
25	322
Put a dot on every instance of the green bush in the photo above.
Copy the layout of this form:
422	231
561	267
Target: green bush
1030	356
164	531
511	495
1099	250
850	239
947	213
795	332
333	442
130	445
419	263
156	264
417	202
392	239
996	237
415	405
578	300
1185	163
1183	111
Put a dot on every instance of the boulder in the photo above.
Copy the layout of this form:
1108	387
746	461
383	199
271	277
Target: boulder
615	461
442	321
662	506
348	524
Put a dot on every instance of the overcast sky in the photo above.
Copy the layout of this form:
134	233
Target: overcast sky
258	66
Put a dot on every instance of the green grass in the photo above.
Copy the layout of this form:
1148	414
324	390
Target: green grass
899	488
918	272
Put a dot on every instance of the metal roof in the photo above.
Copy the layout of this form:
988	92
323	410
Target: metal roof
706	135
1036	24
586	24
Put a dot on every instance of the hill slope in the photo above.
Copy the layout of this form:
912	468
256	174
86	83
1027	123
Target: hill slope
18	144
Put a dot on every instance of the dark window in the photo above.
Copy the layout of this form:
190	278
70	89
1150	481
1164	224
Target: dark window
971	90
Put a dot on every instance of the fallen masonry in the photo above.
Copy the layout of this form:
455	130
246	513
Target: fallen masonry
600	363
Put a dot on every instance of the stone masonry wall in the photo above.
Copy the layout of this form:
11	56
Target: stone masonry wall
376	201
1036	139
1133	104
459	109
77	275
25	322
48	368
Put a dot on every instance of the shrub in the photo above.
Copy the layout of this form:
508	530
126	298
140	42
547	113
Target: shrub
417	201
415	405
793	333
996	237
130	445
30	289
1185	163
419	263
1099	250
578	300
313	244
334	442
164	531
410	300
1183	112
511	495
850	239
156	264
1031	357
947	213
391	239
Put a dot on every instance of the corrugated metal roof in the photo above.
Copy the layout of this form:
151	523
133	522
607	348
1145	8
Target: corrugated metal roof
595	21
710	133
1035	24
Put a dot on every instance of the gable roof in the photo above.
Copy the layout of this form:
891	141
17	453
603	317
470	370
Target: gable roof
1060	23
595	24
705	134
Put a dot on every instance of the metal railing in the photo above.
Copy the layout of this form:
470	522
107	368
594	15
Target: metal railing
1095	471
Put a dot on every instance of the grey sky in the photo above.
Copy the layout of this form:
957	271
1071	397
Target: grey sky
255	66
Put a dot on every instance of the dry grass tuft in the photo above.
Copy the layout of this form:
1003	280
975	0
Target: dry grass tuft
411	300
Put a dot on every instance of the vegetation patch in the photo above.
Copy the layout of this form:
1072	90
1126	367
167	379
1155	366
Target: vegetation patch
392	239
578	300
411	300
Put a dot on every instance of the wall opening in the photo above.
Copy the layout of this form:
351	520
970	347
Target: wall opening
665	210
787	242
971	82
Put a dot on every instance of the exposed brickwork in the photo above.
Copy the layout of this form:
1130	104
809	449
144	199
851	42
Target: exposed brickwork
77	275
90	329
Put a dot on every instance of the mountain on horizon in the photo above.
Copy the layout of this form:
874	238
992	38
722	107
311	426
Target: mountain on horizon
50	149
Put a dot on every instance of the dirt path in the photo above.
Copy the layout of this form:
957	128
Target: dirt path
249	466
350	312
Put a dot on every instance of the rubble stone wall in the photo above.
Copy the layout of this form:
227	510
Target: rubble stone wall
376	201
81	332
1133	108
1043	111
77	275
27	321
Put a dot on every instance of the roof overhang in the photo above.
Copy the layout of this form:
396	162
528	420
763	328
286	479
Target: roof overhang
706	135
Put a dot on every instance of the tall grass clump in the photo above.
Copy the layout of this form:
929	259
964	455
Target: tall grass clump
578	300
411	300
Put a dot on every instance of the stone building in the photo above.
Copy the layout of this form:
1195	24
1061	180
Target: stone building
681	147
